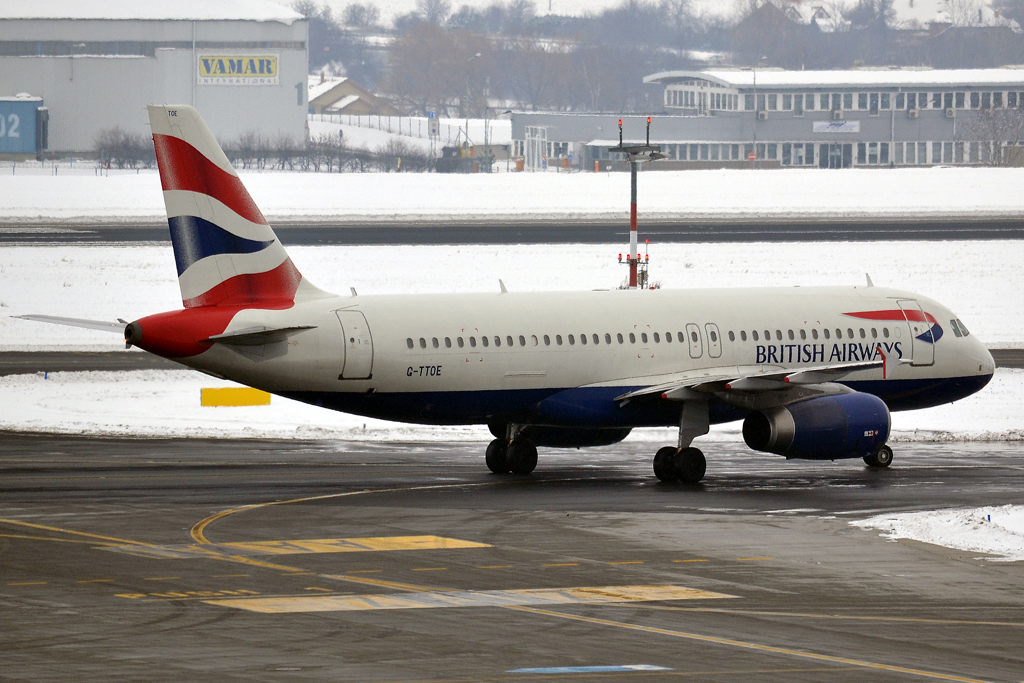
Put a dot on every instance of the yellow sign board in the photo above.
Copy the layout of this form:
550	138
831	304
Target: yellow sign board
226	69
233	396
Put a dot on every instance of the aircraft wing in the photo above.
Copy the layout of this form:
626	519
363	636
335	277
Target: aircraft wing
748	380
77	322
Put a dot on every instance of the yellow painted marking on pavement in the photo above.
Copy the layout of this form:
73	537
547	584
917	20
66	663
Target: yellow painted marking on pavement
562	564
96	581
233	396
194	595
442	599
163	578
691	560
99	537
752	559
198	532
745	645
495	566
298	572
27	583
353	545
366	571
46	538
230	576
628	562
317	588
431	569
847	617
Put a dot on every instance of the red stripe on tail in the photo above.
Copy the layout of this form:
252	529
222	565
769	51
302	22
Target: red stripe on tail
183	167
273	289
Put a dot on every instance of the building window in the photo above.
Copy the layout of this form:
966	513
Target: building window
773	102
975	100
823	101
883	152
787	154
1011	99
936	152
885	101
787	102
748	102
986	100
997	100
901	100
848	100
874	104
897	153
798	105
773	150
862	153
862	100
958	151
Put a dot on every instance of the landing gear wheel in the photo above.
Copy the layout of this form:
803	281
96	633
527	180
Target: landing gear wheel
664	467
690	465
522	457
497	456
880	458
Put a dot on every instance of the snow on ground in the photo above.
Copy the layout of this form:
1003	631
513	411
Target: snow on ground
980	280
369	139
812	194
997	531
166	403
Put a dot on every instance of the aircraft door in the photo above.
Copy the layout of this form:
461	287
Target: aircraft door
922	340
358	345
714	340
693	338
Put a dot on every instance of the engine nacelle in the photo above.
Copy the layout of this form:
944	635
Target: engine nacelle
566	437
827	428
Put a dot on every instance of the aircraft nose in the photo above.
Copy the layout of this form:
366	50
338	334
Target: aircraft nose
982	358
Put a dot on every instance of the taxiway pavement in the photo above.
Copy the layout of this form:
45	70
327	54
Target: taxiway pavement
132	559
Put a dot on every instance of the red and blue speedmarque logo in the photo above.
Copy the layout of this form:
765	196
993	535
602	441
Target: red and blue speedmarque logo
932	334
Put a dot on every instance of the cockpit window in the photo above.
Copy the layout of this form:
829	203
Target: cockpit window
956	328
963	329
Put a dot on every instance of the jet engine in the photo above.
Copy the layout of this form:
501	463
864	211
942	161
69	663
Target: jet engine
565	437
851	425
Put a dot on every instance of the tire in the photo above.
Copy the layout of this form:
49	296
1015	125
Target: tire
691	465
522	457
664	467
880	458
497	456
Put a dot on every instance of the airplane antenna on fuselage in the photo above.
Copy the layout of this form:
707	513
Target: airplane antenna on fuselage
868	276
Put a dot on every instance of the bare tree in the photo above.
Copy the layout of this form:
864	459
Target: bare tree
999	134
434	11
360	15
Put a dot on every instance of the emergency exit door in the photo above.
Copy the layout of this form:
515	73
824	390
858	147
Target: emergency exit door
358	362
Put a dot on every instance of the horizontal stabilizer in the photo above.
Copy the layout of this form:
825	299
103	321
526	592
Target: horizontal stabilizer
256	336
117	327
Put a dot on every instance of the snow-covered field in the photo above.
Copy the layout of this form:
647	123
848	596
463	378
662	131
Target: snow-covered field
997	531
166	403
980	281
884	194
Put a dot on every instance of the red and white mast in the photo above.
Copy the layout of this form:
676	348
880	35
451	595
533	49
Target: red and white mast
635	155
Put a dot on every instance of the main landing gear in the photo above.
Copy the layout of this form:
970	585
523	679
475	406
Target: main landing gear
511	454
880	458
683	462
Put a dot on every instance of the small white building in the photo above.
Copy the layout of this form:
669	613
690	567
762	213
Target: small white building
98	63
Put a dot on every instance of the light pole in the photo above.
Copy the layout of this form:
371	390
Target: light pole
757	112
466	107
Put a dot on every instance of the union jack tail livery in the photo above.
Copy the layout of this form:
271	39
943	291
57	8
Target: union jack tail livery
225	252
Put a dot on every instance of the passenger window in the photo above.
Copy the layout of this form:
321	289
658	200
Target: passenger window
533	338
743	335
827	334
668	337
607	338
547	340
558	339
435	343
839	333
714	337
657	338
497	340
755	335
962	328
472	342
732	337
448	342
694	338
849	332
814	334
522	340
956	329
643	337
597	340
803	334
862	334
485	342
885	332
778	334
508	339
791	335
583	339
767	335
874	333
423	343
679	336
619	337
408	342
572	340
460	342
632	338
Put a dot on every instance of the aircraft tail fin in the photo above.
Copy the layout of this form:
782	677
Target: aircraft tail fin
225	251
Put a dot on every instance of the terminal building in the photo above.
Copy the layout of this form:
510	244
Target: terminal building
96	64
823	119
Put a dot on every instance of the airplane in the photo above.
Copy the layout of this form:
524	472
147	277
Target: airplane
813	372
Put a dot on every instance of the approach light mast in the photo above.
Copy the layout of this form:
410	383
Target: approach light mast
636	155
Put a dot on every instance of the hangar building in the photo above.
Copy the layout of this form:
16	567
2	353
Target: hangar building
824	119
96	64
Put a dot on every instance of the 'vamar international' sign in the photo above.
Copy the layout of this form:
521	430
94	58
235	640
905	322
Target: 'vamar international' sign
238	69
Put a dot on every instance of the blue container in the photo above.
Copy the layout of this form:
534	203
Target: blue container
18	124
